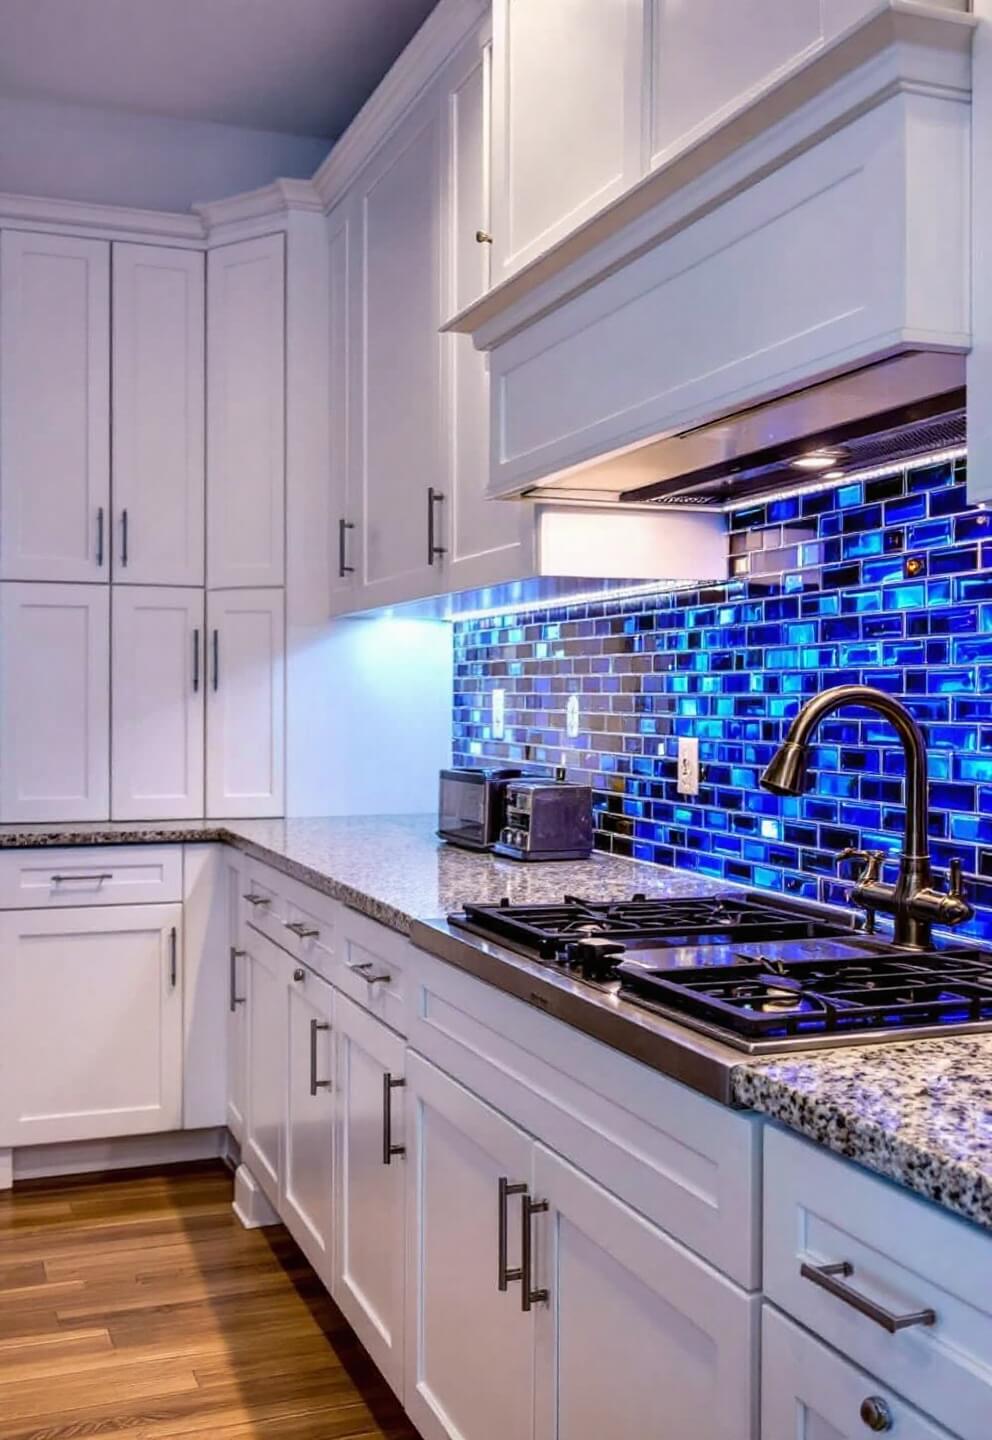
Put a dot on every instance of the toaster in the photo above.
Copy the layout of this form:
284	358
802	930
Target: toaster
546	820
470	806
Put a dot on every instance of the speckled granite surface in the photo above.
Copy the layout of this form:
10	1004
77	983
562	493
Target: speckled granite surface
392	868
919	1113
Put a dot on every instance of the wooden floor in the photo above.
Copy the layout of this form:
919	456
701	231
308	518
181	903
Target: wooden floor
138	1306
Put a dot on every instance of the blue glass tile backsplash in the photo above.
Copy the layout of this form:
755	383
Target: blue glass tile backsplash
885	582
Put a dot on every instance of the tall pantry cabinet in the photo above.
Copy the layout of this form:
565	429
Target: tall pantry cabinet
118	668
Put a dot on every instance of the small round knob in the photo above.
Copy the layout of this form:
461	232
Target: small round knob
299	974
483	237
876	1414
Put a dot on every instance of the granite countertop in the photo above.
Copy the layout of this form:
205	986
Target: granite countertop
919	1113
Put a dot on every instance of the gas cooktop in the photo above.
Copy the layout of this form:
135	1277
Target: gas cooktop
759	975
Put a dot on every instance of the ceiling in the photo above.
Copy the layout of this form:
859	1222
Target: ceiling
302	67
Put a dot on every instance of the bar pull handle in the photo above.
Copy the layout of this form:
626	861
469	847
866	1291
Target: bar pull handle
434	551
343	567
235	998
216	648
301	929
196	660
92	879
99	537
528	1209
254	899
389	1084
364	968
123	537
173	959
826	1277
504	1276
316	1026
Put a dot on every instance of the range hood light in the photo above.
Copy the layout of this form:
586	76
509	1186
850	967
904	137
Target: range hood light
816	460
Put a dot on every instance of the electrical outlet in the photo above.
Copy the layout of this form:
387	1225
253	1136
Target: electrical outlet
499	714
572	717
688	781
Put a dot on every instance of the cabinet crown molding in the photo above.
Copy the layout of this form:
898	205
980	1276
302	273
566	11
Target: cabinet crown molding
275	202
104	221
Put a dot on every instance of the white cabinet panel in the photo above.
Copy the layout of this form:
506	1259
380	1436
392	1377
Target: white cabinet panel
158	386
470	1347
158	687
344	505
54	407
54	702
246	424
269	972
245	703
91	1023
566	118
308	1175
808	1392
369	1269
232	881
689	1334
397	355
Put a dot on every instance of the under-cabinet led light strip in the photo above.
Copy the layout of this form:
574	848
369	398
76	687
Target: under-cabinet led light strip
877	472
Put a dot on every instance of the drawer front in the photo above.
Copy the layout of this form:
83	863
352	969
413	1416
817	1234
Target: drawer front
263	902
298	919
808	1392
42	879
372	967
867	1245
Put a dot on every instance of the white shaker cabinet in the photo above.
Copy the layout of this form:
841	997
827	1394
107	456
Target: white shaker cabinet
157	715
469	1346
308	1168
91	1023
269	972
245	676
567	88
158	415
54	702
371	1176
344	419
246	413
54	407
232	884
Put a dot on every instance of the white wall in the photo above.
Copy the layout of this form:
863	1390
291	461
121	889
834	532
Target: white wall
114	157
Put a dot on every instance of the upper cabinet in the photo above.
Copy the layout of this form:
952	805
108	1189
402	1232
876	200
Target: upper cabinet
158	381
566	118
54	407
246	420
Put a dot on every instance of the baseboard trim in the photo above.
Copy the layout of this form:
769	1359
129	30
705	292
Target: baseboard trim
82	1157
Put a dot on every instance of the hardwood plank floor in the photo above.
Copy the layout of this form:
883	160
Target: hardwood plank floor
135	1305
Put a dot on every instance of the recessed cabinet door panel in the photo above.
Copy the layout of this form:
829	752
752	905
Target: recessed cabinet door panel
400	355
237	996
343	308
689	1334
566	118
269	971
54	702
245	707
158	689
91	1023
54	407
158	381
369	1276
470	1346
308	1180
246	427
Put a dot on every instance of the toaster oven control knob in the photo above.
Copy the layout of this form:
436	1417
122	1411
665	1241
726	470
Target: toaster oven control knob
594	959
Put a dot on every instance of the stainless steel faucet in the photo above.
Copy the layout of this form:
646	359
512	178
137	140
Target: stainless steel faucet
913	902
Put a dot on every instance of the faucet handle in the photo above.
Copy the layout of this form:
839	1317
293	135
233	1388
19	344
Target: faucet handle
873	862
955	881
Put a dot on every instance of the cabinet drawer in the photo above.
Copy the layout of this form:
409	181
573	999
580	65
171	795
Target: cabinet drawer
263	903
299	920
90	875
902	1255
809	1391
372	965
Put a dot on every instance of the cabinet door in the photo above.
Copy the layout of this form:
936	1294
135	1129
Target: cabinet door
237	997
345	510
245	720
308	1176
246	424
54	407
158	387
369	1268
488	542
91	1023
269	976
566	118
397	357
688	1333
54	702
469	1345
157	724
808	1392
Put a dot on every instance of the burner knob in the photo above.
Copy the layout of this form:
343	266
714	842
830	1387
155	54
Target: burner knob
594	959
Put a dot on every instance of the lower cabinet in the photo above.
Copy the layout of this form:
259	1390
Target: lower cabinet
809	1392
232	877
521	1272
308	1154
269	974
91	1023
371	1179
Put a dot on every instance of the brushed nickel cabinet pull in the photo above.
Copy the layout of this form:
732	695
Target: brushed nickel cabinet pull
826	1277
434	551
99	537
301	929
528	1209
173	959
235	998
196	660
364	968
96	879
123	537
503	1275
344	568
316	1026
216	645
389	1084
255	899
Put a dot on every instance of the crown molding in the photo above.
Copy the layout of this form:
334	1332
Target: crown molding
270	203
117	221
447	27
